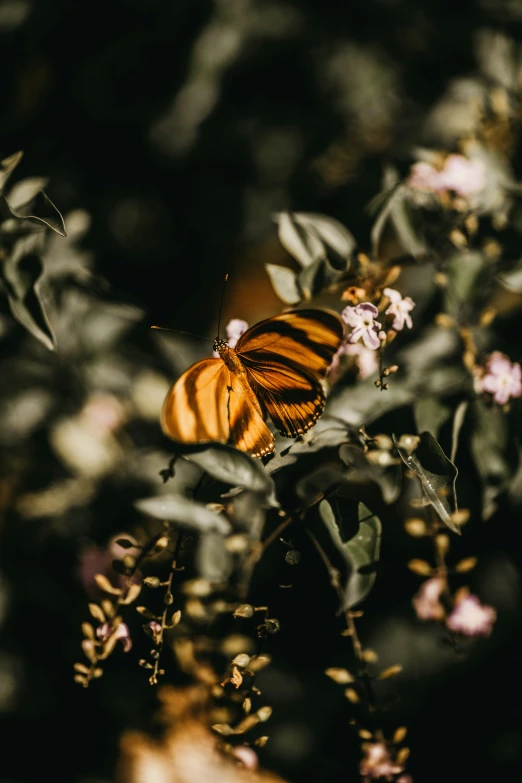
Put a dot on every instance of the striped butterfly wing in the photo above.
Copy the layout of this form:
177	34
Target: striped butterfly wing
210	403
285	358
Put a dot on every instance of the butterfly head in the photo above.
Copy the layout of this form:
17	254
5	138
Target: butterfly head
220	346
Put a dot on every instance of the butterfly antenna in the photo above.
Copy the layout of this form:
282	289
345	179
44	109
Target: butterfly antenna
180	331
221	304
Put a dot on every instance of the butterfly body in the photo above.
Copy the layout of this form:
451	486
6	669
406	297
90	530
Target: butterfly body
276	369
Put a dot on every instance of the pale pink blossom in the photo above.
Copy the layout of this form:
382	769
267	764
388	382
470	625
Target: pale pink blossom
471	618
247	756
500	377
363	323
377	762
400	309
234	329
365	360
463	176
105	631
458	174
426	602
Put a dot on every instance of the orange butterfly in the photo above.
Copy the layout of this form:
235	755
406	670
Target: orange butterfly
276	368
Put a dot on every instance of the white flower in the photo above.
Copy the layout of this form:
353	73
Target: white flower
400	308
365	327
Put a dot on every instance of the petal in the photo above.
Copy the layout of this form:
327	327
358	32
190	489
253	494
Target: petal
393	295
350	316
367	307
370	339
356	334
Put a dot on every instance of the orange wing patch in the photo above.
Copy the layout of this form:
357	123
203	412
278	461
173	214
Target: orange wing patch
209	403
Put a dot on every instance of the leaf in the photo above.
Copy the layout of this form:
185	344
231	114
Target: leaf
436	473
40	209
21	272
303	246
492	451
187	513
311	279
458	421
310	236
132	593
26	190
394	210
97	613
465	272
511	279
232	466
361	471
104	584
319	482
340	676
430	414
363	549
285	283
213	562
7	166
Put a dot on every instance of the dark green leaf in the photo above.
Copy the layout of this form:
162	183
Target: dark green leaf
436	473
185	512
303	246
465	278
284	282
430	414
213	562
363	549
234	467
319	482
361	471
493	451
394	211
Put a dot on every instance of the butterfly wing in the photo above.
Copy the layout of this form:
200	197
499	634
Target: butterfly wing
209	403
285	358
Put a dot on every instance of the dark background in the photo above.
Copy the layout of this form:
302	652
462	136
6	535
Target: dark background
297	106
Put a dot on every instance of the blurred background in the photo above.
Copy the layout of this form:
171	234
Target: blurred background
171	133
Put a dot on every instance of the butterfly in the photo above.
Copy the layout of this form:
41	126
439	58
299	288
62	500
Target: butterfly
275	369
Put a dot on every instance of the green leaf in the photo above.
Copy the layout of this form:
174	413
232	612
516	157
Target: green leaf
303	246
430	414
363	549
213	562
321	481
493	451
437	475
232	466
359	552
185	512
309	237
312	278
361	471
284	282
21	272
395	211
466	273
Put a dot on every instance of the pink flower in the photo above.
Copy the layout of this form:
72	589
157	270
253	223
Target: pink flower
105	631
400	308
377	762
459	174
363	323
471	618
103	413
365	359
501	378
426	602
462	175
235	328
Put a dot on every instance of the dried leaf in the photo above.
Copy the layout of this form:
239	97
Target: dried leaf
466	565
420	567
80	667
400	734
264	713
391	671
132	593
341	676
97	613
104	584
